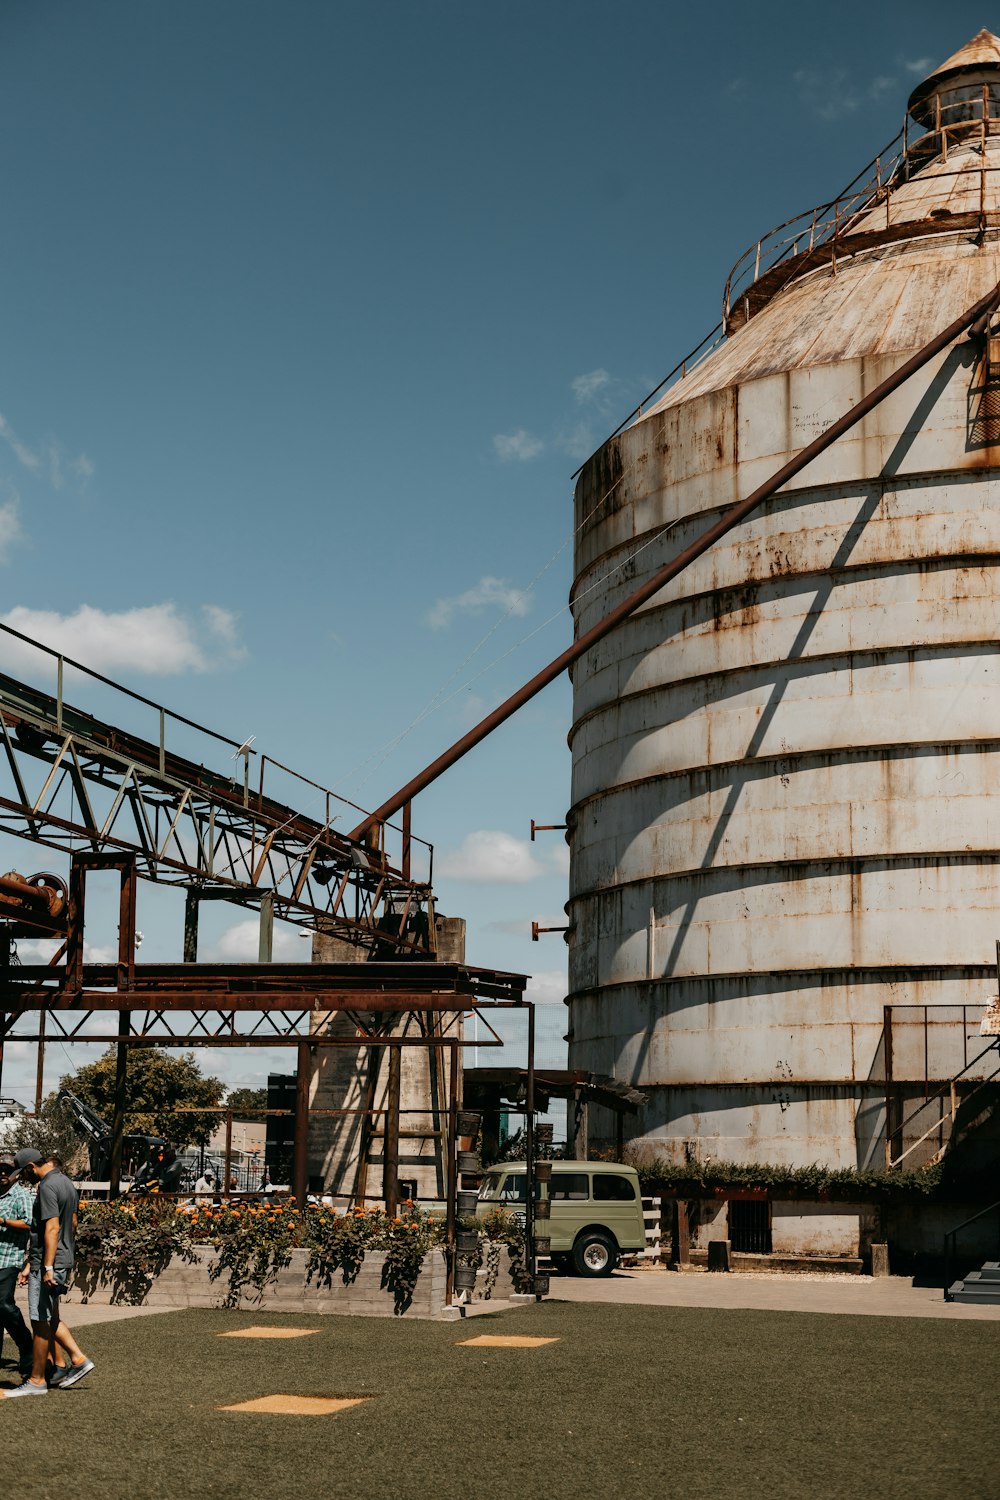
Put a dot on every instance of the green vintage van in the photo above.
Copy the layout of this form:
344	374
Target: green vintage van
595	1210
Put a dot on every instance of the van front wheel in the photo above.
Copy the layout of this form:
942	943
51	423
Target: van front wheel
594	1255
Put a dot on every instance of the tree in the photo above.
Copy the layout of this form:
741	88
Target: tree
156	1086
50	1131
246	1103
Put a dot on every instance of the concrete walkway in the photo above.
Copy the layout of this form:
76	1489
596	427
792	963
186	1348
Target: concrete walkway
886	1296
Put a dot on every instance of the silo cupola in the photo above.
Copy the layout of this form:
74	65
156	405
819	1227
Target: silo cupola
963	92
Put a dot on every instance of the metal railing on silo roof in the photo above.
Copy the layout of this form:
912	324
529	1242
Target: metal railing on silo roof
810	237
814	226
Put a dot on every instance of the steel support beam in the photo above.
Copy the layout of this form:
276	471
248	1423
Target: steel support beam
662	576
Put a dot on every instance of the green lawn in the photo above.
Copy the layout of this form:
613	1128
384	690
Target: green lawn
633	1401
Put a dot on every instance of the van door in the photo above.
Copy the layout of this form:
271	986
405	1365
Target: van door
570	1209
618	1205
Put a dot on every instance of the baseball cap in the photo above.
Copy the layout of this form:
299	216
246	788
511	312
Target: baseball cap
27	1157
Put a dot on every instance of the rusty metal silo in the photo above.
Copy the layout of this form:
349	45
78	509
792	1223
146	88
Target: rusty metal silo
784	814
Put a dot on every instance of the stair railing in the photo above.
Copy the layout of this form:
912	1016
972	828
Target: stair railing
949	1244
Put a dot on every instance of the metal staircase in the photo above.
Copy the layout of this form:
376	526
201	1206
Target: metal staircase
979	1288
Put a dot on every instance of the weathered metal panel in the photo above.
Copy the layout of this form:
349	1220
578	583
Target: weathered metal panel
784	765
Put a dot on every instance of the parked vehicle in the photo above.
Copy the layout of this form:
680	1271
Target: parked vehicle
595	1210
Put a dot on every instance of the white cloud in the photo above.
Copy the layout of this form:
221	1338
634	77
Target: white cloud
241	944
488	855
155	638
21	451
559	857
49	462
586	387
519	445
488	593
10	527
547	987
577	442
918	65
43	950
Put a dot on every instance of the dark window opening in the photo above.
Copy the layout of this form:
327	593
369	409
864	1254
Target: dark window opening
613	1189
750	1226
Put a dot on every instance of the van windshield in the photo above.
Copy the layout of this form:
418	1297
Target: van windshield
490	1186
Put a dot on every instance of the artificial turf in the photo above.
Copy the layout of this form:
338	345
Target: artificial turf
696	1403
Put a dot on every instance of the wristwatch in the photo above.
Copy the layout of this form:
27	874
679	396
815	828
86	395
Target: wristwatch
48	1268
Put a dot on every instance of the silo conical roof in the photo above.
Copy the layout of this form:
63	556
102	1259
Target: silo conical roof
981	54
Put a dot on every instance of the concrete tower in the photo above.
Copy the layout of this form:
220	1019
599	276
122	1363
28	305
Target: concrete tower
785	766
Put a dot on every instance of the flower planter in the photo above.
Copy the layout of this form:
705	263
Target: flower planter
183	1283
465	1278
469	1121
469	1163
543	1171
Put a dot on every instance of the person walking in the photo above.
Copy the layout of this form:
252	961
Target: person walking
52	1250
15	1217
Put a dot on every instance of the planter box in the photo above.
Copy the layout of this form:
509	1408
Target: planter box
187	1284
494	1279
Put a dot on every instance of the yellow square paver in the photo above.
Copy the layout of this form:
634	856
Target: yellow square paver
505	1341
264	1332
297	1406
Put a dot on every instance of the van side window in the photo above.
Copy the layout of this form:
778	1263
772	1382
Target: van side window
611	1189
569	1186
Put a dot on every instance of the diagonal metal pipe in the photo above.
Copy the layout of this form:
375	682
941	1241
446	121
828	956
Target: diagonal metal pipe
978	314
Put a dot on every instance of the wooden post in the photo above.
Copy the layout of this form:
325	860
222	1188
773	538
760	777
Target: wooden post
390	1153
680	1248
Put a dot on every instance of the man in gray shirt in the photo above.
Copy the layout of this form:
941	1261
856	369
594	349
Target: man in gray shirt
51	1253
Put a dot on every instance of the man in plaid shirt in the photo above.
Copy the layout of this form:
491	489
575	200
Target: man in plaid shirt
15	1220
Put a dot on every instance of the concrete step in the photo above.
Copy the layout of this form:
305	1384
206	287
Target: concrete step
982	1294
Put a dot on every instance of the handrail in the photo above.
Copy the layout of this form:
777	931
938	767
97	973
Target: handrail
824	222
939	1094
949	1244
62	710
955	120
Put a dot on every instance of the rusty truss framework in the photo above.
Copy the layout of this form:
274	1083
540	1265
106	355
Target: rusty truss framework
230	1005
73	782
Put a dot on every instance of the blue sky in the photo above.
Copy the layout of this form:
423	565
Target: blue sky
308	313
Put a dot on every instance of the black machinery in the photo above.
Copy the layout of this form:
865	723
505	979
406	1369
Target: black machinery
159	1172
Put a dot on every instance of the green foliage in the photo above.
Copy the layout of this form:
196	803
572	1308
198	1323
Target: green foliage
512	1147
50	1131
254	1241
658	1175
127	1244
156	1084
337	1242
246	1104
